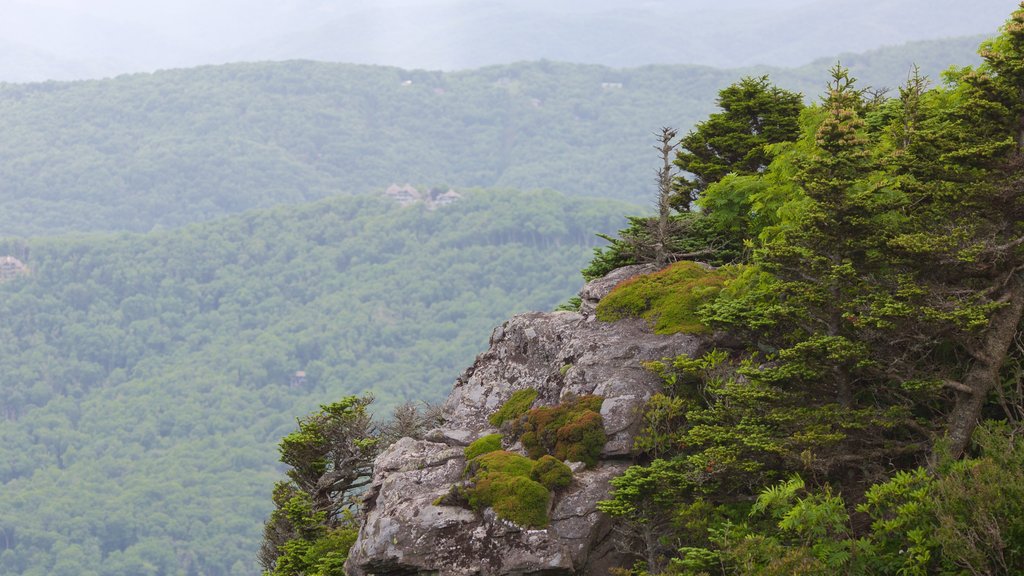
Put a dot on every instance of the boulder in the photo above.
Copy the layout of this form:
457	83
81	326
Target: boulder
407	531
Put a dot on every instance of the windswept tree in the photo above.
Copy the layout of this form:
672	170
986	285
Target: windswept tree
963	172
330	457
330	460
754	114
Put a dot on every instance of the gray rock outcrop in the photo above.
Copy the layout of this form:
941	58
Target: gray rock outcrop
405	531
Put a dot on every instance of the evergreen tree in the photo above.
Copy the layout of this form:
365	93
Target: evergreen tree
754	113
963	173
824	261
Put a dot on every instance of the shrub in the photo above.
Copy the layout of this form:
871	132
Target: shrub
502	462
552	473
484	445
517	405
669	299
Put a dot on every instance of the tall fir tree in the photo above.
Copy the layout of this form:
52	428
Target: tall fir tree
754	114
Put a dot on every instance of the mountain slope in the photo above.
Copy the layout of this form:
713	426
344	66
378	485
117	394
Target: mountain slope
185	145
145	379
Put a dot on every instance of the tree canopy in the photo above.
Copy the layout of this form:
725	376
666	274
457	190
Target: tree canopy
145	379
880	298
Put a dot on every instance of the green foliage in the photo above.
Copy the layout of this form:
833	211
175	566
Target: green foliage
329	458
573	430
136	366
516	405
670	299
663	420
881	303
692	236
502	480
979	505
324	556
333	447
735	141
644	490
570	305
552	473
902	528
484	445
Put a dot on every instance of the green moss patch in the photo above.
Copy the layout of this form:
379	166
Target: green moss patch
517	499
489	443
572	430
517	405
502	462
669	299
503	481
519	488
552	473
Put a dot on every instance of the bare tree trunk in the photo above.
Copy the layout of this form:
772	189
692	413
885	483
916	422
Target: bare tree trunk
665	147
983	375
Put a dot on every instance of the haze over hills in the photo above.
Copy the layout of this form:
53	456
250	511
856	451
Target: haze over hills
180	146
66	39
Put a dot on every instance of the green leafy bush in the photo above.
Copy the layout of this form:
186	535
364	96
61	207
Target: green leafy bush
514	407
572	430
484	445
669	299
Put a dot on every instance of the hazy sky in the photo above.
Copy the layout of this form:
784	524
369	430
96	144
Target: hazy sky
42	39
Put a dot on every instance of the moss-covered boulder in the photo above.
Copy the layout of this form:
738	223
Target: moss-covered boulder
670	299
503	481
416	522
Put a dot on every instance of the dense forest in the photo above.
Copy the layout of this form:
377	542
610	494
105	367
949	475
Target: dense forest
180	146
146	379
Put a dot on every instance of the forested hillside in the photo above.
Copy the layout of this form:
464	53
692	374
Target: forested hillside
185	145
146	379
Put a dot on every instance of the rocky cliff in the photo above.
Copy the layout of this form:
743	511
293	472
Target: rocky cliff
407	531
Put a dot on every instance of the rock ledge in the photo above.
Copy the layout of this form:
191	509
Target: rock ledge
556	353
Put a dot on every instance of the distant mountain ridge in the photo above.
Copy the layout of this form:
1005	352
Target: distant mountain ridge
180	146
89	40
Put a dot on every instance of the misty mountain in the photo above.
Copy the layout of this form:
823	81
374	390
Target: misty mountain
181	146
117	36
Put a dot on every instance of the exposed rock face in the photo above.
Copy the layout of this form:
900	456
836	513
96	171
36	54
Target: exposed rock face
558	354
